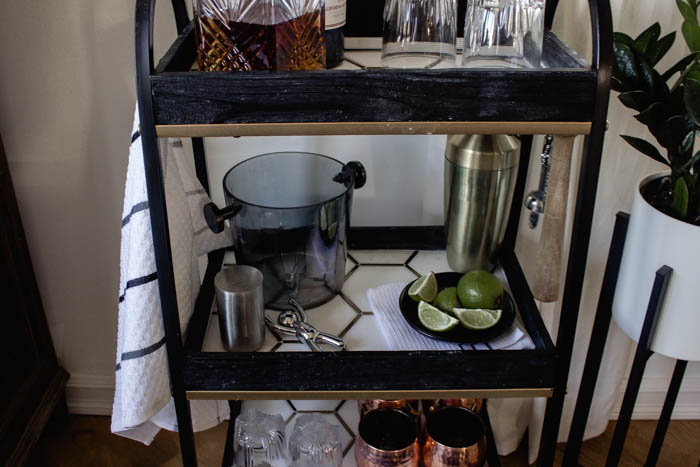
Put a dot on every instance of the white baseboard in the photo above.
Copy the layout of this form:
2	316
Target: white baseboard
652	394
90	395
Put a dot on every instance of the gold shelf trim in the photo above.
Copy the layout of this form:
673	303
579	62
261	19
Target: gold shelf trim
373	128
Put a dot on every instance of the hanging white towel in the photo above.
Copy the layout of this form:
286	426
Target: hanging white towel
399	335
142	401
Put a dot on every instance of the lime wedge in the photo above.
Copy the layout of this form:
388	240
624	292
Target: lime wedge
446	300
434	319
477	318
424	288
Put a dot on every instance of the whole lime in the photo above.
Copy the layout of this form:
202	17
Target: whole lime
479	289
446	299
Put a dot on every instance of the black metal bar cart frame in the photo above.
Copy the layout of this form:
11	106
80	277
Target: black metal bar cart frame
568	97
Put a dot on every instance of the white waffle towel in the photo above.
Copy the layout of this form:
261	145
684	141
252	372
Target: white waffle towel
399	335
142	402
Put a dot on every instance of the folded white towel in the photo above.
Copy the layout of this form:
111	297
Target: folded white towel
142	402
399	335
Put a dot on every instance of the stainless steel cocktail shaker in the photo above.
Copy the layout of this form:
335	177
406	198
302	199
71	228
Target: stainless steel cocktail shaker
480	173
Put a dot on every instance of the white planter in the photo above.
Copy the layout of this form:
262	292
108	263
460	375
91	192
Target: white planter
655	239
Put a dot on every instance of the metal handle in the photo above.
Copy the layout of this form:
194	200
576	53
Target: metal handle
215	217
353	172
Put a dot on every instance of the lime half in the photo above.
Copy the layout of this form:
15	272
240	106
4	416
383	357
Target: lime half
434	319
424	288
477	318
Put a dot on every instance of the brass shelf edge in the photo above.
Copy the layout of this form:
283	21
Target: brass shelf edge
368	394
372	128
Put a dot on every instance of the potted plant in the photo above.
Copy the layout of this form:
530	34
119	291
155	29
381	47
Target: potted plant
665	218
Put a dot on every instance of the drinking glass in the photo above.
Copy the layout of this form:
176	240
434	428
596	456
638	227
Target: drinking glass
315	441
455	437
503	33
419	33
258	439
387	437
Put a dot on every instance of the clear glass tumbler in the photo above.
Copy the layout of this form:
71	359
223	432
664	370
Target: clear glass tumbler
503	33
315	441
419	34
258	440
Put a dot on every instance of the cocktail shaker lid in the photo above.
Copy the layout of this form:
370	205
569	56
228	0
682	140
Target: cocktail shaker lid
483	152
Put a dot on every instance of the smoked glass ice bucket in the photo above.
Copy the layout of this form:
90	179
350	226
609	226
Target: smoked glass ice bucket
289	214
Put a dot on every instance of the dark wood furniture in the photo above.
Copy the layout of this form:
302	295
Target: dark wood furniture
569	97
32	382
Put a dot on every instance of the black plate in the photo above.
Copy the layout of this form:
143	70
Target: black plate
460	334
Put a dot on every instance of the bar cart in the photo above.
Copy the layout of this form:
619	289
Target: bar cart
568	98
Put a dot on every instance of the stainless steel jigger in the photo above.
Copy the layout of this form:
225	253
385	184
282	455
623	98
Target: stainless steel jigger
294	322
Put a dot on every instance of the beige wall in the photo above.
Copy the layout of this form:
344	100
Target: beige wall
66	104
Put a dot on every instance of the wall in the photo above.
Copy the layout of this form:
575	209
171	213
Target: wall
66	104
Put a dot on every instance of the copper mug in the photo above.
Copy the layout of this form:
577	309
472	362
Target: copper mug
409	406
387	437
455	437
431	405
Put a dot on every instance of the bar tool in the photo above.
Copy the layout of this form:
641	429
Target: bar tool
294	322
536	199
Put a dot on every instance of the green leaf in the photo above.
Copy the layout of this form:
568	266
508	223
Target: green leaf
680	198
648	36
693	4
679	66
646	148
674	132
637	100
692	161
687	143
657	50
647	75
691	97
686	10
626	65
691	33
694	74
652	116
623	38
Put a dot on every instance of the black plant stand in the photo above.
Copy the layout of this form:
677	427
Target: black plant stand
642	354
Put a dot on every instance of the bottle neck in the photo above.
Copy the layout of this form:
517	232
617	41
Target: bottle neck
335	13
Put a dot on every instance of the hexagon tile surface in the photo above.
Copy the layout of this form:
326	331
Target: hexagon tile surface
349	316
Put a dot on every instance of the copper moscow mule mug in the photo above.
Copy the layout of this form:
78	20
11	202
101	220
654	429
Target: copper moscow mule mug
431	405
455	437
387	437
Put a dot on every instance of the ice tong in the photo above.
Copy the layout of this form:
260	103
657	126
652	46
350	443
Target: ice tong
294	322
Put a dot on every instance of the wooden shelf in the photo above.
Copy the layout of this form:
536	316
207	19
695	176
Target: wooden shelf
375	374
557	99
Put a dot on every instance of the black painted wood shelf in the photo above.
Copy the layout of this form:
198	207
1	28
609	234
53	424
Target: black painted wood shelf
555	99
375	374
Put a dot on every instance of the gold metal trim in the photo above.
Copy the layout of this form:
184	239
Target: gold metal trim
369	394
373	128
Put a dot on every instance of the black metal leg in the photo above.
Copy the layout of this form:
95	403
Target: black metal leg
640	361
661	427
235	409
518	194
200	163
159	224
596	347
